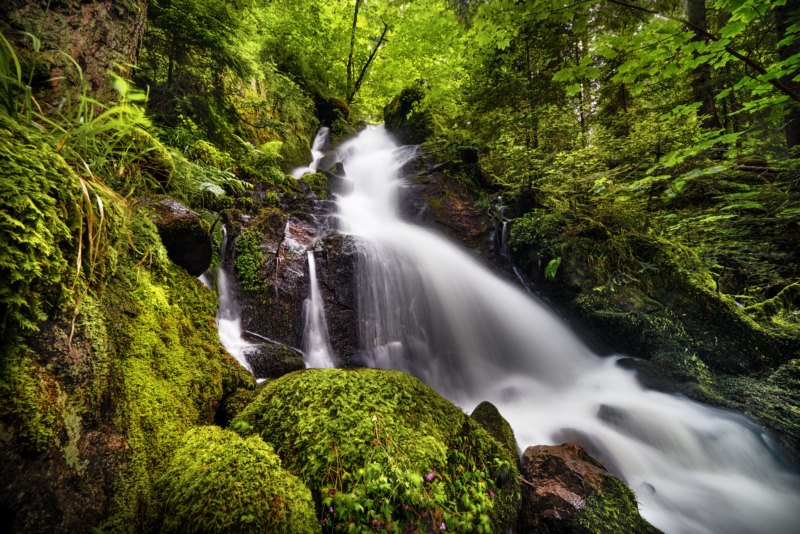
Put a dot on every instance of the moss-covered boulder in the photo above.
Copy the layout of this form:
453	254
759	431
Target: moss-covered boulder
487	415
566	490
219	482
381	450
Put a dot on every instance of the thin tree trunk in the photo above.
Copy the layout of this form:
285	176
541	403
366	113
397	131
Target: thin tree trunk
702	85
785	16
350	58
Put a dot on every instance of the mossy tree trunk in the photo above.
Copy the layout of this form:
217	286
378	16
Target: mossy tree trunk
99	35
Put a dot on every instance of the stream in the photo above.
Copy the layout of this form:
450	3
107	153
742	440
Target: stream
427	307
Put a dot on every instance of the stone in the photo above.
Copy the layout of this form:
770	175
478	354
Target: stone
403	118
487	415
185	235
566	490
274	360
337	257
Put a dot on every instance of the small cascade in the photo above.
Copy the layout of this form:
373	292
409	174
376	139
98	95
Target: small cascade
504	252
316	153
316	344
229	321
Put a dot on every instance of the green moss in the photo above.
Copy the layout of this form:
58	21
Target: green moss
250	261
364	440
29	401
39	203
219	482
169	372
204	152
318	183
489	418
614	509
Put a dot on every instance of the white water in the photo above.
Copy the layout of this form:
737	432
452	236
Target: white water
316	344
229	322
316	153
428	308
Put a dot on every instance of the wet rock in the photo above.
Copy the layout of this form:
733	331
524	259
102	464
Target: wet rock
487	415
336	258
270	260
566	490
273	360
435	199
185	235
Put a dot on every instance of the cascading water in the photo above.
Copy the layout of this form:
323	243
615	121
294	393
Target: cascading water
229	323
316	344
430	309
316	153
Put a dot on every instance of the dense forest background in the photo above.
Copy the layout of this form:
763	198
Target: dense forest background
644	155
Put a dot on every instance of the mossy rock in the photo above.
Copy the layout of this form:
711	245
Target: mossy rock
218	481
380	449
487	415
566	490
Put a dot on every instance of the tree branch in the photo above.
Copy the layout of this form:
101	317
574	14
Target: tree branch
357	86
778	84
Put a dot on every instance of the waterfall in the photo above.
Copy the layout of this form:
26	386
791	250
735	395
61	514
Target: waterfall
316	344
316	153
427	307
229	322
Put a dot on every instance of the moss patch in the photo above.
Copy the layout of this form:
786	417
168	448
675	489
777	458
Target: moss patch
382	450
219	482
613	509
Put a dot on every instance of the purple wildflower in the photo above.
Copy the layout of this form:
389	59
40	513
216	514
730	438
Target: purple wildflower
330	509
430	476
442	526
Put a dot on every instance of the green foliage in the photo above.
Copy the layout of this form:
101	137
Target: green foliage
219	482
552	268
383	451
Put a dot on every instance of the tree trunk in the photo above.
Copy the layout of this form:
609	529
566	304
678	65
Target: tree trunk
350	57
785	16
99	35
702	85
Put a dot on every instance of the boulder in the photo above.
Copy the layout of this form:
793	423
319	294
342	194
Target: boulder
385	451
219	482
566	490
487	415
185	235
274	360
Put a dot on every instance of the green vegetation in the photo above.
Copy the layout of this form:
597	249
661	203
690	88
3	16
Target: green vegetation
219	482
381	450
613	509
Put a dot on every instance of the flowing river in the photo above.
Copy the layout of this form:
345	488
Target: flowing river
427	307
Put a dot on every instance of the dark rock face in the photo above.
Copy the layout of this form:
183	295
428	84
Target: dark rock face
336	258
566	490
185	235
273	360
433	198
275	308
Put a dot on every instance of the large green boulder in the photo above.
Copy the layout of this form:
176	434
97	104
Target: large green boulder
218	481
381	450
